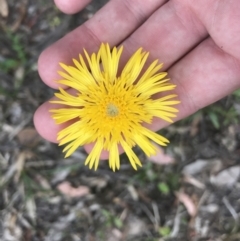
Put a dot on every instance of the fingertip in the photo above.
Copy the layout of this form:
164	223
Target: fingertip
44	123
48	66
71	6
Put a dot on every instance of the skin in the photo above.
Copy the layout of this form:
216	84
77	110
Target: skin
198	42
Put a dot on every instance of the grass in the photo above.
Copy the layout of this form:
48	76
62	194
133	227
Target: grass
219	114
111	220
20	56
14	64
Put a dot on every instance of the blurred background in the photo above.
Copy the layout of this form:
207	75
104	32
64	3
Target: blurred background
189	191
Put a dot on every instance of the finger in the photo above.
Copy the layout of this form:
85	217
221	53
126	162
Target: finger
107	25
221	19
202	77
44	123
71	6
170	33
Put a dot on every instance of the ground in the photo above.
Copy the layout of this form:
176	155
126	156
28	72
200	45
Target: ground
192	192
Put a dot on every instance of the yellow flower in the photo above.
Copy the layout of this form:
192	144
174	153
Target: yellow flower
110	105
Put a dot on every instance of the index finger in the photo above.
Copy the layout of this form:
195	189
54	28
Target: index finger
71	6
112	24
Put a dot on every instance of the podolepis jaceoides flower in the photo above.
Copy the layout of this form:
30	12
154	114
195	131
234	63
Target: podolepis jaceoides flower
110	105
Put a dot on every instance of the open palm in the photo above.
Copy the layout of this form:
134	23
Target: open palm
198	42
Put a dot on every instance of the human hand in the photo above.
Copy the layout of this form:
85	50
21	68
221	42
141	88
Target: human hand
198	42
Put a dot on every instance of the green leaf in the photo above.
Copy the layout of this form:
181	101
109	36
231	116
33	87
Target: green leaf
236	93
164	231
118	223
214	119
163	188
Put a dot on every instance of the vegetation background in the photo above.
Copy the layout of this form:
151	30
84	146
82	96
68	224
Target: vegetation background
188	191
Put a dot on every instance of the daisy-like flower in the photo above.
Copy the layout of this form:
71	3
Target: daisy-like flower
110	106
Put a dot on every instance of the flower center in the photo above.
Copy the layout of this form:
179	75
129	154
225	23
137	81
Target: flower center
112	110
